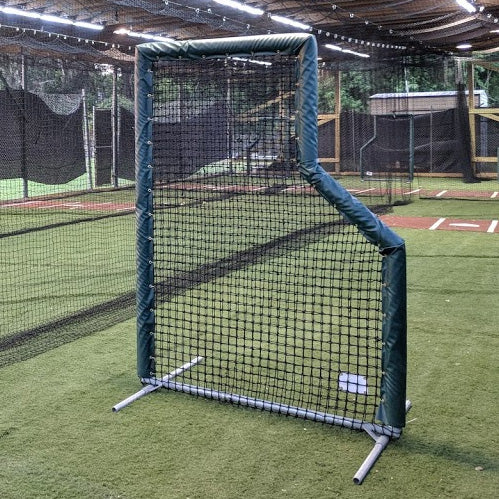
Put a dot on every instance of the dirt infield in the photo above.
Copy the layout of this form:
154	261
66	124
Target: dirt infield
426	223
436	223
69	205
456	194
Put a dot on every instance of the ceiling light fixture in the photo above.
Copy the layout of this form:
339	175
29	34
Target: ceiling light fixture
464	46
145	36
467	6
345	51
358	54
19	12
55	19
83	24
240	6
290	22
50	18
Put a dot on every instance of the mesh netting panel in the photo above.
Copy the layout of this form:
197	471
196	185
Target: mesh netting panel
38	144
67	257
254	271
67	270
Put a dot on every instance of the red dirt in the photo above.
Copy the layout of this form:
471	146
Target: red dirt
436	223
427	223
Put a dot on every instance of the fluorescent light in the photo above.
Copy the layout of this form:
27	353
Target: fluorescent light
55	19
466	6
290	22
345	51
464	46
50	18
83	24
145	36
333	47
240	6
358	54
19	12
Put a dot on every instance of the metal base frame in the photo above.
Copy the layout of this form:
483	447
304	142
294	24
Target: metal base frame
381	434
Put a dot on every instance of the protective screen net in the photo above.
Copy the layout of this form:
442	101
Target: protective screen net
253	271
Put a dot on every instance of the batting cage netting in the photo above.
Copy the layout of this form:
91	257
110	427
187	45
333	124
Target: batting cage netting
66	249
252	287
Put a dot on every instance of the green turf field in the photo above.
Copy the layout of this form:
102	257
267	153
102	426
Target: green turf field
59	438
67	265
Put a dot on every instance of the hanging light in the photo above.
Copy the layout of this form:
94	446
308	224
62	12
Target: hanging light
50	18
290	22
467	6
345	51
240	6
145	36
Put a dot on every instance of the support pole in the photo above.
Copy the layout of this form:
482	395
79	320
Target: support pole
337	121
155	384
470	66
114	129
280	408
380	444
229	128
381	441
24	145
411	147
86	142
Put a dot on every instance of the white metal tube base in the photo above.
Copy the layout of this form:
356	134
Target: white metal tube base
154	384
380	433
381	441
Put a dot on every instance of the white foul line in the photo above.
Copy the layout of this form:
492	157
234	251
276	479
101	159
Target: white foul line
437	223
440	194
492	226
494	195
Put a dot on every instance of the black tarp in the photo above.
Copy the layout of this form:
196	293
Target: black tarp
38	144
181	146
440	142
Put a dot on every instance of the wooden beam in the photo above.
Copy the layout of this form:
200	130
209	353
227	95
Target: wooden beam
471	109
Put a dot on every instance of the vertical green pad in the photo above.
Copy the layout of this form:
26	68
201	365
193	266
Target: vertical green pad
394	349
144	214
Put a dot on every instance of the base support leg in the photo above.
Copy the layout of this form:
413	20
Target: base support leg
380	443
155	383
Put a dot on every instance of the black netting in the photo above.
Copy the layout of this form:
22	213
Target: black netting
66	251
38	144
68	270
254	271
126	144
103	146
405	121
